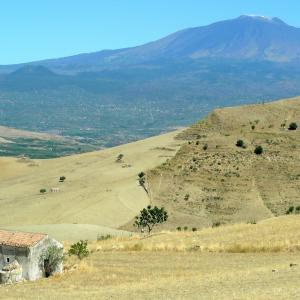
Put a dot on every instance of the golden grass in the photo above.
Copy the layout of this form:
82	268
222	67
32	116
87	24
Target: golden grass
241	261
281	234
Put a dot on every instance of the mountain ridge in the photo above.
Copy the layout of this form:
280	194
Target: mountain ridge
245	37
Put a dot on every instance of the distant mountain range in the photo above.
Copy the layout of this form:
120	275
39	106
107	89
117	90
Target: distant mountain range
246	37
115	96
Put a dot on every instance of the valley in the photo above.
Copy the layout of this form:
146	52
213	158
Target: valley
230	237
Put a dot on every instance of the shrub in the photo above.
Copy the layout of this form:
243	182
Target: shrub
79	249
62	178
141	174
258	150
185	228
194	229
119	157
103	237
240	143
298	209
216	224
50	259
293	126
178	228
197	143
253	127
150	217
43	191
290	210
186	197
205	147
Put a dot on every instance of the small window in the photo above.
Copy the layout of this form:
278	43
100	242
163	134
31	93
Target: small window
7	259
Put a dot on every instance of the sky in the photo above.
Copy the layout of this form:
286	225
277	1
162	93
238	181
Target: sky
38	29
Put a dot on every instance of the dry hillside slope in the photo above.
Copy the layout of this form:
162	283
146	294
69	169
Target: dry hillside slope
225	183
97	190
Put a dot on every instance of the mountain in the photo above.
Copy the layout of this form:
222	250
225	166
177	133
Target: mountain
246	37
112	97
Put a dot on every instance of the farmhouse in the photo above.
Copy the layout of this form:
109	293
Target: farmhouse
20	255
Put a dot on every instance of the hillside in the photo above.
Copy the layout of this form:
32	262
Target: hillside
226	183
97	195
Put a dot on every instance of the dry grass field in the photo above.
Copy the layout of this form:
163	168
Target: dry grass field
231	264
97	191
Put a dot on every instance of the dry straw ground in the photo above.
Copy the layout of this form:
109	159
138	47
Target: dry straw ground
167	265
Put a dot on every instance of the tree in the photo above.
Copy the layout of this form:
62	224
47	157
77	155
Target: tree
150	217
258	150
62	178
42	191
142	180
240	143
51	258
293	126
119	157
79	249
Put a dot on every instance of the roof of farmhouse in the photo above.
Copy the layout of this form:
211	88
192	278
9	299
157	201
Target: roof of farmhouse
20	239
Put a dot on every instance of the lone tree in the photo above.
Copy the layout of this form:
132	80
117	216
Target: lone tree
142	180
51	258
258	150
240	143
62	178
293	126
120	157
150	216
79	249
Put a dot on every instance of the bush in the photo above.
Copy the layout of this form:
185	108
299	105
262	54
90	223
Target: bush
79	249
205	147
50	259
141	174
119	157
178	228
253	127
240	143
43	191
290	210
216	224
194	229
293	126
185	228
103	237
258	150
62	178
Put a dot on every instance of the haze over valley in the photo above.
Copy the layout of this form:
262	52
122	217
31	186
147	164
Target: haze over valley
108	98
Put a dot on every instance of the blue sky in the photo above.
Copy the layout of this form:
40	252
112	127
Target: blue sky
38	29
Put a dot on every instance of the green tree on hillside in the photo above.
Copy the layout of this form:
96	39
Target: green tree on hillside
258	150
293	126
79	249
150	217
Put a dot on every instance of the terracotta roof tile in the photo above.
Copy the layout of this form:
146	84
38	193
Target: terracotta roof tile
19	239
